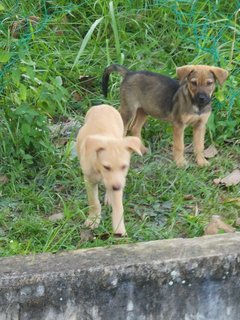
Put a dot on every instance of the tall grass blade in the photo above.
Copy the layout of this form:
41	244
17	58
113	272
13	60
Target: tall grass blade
85	41
115	31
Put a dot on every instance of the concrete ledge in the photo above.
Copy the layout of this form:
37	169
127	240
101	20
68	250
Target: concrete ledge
189	279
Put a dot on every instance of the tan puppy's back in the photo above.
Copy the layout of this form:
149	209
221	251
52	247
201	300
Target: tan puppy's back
102	120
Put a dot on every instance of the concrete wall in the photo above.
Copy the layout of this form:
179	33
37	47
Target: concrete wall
189	279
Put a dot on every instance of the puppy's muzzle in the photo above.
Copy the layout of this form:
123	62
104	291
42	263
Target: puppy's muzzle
202	99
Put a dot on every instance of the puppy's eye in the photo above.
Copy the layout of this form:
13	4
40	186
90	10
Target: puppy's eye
124	167
209	83
194	83
107	168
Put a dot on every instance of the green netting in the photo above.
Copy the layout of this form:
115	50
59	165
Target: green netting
47	45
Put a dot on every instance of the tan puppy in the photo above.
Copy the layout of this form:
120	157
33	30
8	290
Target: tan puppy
104	155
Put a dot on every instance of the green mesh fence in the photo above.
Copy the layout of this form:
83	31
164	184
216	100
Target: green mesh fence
159	35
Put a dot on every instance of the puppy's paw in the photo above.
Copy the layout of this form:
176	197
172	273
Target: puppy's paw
202	162
117	235
143	149
92	223
182	162
120	232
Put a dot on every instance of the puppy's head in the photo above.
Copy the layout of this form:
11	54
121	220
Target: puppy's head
201	81
112	158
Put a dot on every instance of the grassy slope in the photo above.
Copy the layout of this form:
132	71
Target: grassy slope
149	37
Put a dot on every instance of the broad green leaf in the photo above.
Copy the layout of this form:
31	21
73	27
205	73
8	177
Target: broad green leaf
59	80
25	129
16	74
220	96
15	98
30	72
4	56
22	92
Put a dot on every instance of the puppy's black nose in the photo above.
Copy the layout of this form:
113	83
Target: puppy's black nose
203	99
116	187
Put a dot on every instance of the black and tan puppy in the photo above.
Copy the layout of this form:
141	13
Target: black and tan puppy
182	102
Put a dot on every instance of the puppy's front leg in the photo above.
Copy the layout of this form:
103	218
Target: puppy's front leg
198	141
178	145
94	216
117	212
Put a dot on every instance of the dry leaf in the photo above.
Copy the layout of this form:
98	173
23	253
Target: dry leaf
21	24
188	197
216	225
230	180
231	200
210	152
196	210
76	96
87	82
4	179
59	188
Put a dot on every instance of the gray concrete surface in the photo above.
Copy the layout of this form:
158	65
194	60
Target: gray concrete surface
189	279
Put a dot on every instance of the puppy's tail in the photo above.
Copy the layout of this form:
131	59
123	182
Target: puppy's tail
112	68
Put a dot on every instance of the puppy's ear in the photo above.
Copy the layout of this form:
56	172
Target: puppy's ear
184	71
133	144
220	74
94	144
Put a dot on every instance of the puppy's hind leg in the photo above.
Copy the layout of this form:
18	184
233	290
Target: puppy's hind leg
117	213
127	114
137	125
94	216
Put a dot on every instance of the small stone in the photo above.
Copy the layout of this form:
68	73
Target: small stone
56	217
86	235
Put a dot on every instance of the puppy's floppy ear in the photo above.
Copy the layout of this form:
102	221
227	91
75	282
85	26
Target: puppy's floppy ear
220	74
94	143
133	144
184	71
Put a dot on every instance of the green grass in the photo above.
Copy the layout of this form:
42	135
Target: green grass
42	69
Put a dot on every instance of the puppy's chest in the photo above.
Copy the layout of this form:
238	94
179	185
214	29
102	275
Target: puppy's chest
194	118
190	118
